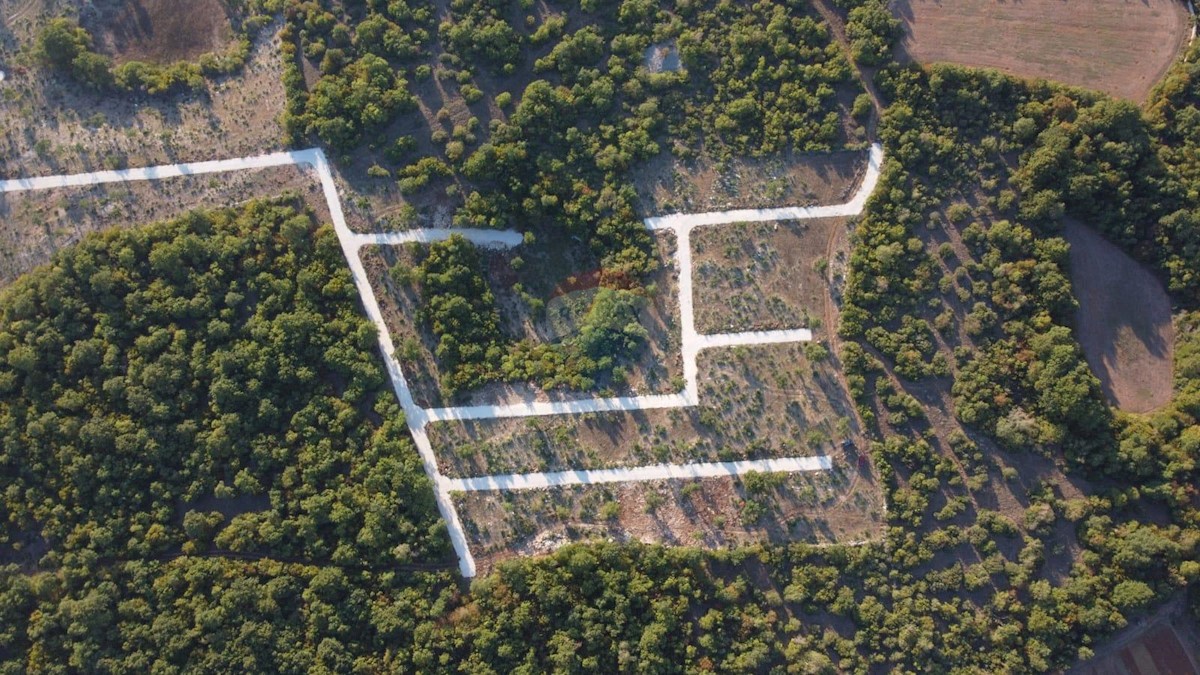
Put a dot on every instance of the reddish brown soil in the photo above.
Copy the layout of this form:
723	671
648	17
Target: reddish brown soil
1121	47
161	31
1123	322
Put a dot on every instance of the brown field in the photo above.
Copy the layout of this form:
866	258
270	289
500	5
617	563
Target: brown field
160	31
755	402
762	276
34	225
843	505
1123	322
563	284
667	184
1121	47
1167	644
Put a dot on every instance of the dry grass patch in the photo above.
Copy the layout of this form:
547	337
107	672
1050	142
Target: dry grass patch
668	184
763	276
160	31
1121	47
755	402
842	505
547	273
1123	322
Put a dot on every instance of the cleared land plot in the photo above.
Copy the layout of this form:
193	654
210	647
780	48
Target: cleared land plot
160	31
755	402
762	276
34	225
842	505
564	286
668	184
1121	47
1123	322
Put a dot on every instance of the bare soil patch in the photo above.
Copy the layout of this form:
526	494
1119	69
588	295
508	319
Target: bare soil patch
755	402
34	225
1121	47
1123	323
547	273
843	506
762	276
668	184
160	31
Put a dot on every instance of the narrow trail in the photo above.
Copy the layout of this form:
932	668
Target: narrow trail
418	418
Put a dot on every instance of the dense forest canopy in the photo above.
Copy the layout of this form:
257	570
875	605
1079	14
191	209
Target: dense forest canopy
217	359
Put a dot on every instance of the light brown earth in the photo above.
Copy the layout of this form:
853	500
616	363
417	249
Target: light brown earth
1121	47
1123	322
762	276
843	505
160	31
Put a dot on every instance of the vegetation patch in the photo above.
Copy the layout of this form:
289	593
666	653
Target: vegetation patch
152	46
538	320
1123	322
667	183
1121	48
39	223
86	130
